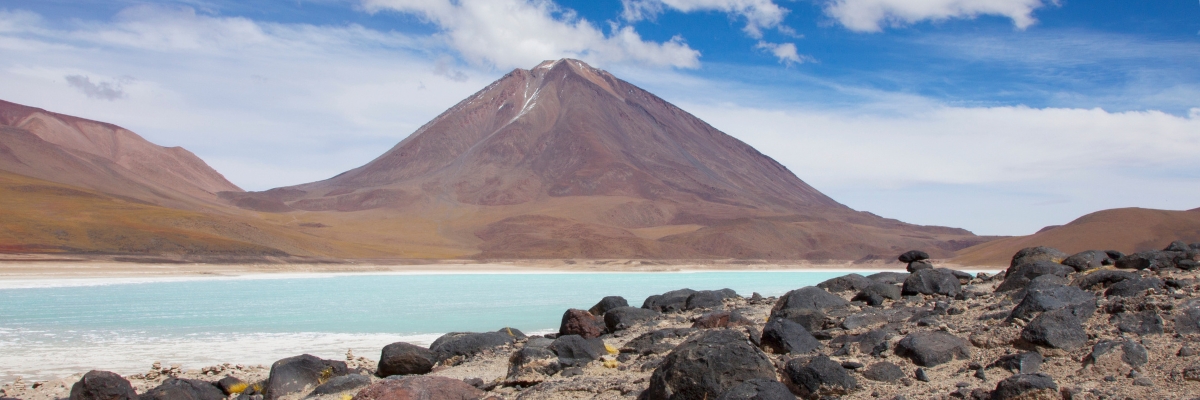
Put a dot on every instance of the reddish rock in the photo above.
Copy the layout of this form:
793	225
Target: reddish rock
420	387
582	323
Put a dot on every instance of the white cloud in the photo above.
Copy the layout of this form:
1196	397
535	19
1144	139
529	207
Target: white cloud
963	166
103	90
522	33
785	52
873	15
759	14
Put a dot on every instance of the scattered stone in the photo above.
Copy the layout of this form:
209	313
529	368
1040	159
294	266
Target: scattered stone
883	372
920	375
1088	260
608	303
622	318
1037	386
1034	254
845	283
1142	323
1133	287
1151	260
721	319
783	336
707	366
891	278
402	358
531	365
919	265
929	349
812	320
1040	298
673	301
1102	278
102	385
810	298
1187	321
758	389
864	319
300	374
1020	276
175	388
577	351
817	378
875	293
1187	351
981	375
341	384
932	282
1116	358
1057	329
582	323
913	255
467	344
420	388
656	342
1178	246
1023	363
231	385
704	299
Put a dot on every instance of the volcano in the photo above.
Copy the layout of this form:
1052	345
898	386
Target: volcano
567	161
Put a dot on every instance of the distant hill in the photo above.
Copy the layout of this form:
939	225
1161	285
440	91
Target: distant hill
565	160
1124	229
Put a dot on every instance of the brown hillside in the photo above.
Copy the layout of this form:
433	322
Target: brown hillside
1124	229
565	160
103	157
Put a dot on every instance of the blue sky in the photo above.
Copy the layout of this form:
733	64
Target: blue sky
999	116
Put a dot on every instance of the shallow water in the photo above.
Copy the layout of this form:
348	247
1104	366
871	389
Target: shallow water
57	328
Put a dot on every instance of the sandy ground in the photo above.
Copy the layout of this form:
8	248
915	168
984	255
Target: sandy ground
52	267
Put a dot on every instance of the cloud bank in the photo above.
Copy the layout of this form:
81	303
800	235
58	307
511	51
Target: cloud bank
874	15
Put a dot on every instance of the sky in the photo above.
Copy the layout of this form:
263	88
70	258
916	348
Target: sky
998	116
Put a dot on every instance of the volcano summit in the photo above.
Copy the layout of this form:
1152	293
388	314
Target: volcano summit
565	160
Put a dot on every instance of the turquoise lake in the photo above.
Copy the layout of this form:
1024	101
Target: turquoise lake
51	331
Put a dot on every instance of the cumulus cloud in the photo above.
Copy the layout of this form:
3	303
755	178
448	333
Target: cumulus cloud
759	14
522	33
873	15
785	52
104	90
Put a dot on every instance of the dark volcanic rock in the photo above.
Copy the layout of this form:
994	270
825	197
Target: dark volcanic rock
420	388
1026	387
299	374
812	320
721	319
102	385
864	319
656	342
577	351
876	292
673	301
1177	246
404	359
622	318
810	298
1187	321
919	265
913	255
934	348
932	281
1033	254
468	343
818	377
883	372
1133	287
706	299
1104	278
782	336
1024	363
1087	260
1019	276
608	303
230	385
342	384
185	389
845	283
1041	298
758	389
1058	329
531	365
707	366
1116	357
1151	260
894	278
582	323
1142	323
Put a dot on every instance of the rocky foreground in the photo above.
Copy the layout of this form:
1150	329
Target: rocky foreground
1094	325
